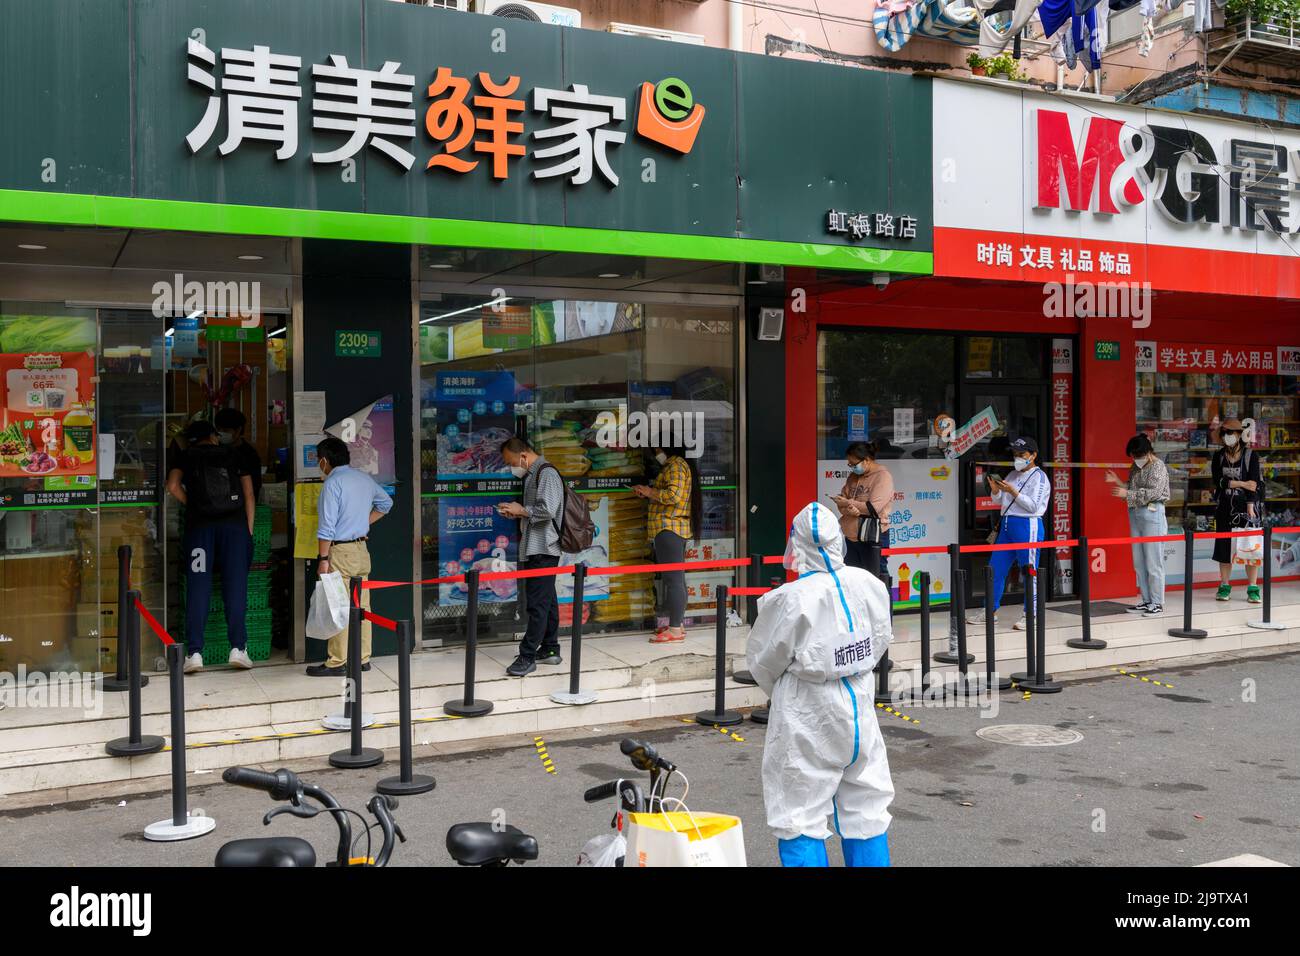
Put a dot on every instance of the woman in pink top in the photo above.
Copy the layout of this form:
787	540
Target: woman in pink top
870	485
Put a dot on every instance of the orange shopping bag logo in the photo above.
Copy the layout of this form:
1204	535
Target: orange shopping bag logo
669	115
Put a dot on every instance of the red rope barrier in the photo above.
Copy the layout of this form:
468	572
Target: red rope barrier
384	622
153	624
747	592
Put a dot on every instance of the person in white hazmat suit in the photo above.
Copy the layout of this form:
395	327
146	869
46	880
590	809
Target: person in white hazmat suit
811	649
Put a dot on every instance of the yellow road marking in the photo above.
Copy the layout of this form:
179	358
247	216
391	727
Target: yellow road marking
901	716
1145	680
547	763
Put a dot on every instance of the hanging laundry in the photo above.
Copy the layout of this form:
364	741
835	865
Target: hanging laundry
949	20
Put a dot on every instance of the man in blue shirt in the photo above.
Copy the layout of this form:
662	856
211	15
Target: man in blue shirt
350	502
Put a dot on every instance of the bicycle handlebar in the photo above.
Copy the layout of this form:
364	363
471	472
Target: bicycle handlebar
281	785
602	792
381	808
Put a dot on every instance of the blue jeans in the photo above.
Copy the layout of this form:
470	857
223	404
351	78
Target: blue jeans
1149	559
227	547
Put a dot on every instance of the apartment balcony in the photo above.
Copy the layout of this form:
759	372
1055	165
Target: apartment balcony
1247	37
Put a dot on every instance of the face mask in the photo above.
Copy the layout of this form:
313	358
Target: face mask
1141	462
661	458
225	438
1231	440
518	471
858	469
1022	463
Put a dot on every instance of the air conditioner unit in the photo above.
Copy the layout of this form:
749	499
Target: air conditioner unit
534	12
655	33
461	5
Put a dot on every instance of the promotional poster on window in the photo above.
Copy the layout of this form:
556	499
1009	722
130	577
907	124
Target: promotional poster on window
47	426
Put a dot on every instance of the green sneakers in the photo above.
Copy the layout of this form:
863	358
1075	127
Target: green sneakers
1252	594
1224	593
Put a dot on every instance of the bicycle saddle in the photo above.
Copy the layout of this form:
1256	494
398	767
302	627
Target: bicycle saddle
267	851
479	844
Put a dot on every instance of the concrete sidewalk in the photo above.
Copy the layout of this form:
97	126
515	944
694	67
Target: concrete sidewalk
272	714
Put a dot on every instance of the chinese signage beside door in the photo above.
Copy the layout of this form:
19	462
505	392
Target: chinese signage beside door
1095	192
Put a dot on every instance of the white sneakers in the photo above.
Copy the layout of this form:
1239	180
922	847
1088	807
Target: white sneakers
1020	625
975	617
238	658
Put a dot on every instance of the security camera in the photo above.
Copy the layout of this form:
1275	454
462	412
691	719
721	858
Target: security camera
880	280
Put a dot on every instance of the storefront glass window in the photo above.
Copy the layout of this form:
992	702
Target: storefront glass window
566	373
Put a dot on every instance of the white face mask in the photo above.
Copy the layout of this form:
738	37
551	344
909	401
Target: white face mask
1231	440
661	458
858	469
518	471
1141	462
225	438
1022	463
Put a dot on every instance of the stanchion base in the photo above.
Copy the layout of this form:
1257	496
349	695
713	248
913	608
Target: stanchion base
1091	644
397	787
340	722
947	657
1022	678
725	718
976	683
1267	625
467	708
115	685
1046	687
347	760
758	715
164	831
1195	632
581	697
123	747
744	677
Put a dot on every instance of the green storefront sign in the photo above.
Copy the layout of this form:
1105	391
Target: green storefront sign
357	343
1107	351
368	119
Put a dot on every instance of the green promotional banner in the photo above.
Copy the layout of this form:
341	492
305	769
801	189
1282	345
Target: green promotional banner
370	119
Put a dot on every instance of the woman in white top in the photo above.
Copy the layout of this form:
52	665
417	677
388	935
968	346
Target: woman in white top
1023	498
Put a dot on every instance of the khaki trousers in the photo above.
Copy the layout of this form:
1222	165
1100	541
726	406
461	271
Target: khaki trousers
352	560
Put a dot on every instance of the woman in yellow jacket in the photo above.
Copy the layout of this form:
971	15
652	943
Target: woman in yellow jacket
672	519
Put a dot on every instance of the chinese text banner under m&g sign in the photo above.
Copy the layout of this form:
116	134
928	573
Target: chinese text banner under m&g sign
462	118
1110	193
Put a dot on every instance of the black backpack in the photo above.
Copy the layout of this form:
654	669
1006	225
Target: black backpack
212	487
576	529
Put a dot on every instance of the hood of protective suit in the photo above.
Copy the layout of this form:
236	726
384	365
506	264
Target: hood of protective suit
816	543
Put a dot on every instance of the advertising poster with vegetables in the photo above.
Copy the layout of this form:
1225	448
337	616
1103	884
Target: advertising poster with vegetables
47	414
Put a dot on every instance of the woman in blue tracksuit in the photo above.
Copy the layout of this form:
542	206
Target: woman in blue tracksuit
1023	498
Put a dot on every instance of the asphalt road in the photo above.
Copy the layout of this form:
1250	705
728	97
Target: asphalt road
1173	776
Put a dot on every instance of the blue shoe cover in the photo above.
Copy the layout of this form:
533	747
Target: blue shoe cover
802	851
873	852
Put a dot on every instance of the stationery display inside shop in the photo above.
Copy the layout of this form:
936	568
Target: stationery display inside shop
1182	413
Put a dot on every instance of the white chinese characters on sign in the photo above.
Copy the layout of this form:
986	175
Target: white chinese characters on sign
584	137
359	103
261	94
863	225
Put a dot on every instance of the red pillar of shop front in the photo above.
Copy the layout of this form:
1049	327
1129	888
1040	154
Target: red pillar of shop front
1107	419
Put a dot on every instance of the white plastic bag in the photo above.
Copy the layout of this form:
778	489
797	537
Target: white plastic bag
1248	549
604	850
328	613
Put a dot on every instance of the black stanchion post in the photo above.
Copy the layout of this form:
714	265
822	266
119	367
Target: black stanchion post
181	826
1083	564
958	615
1030	671
134	743
406	783
121	680
925	636
356	757
1187	630
1267	623
720	716
885	665
751	611
468	706
1040	682
963	687
992	677
575	695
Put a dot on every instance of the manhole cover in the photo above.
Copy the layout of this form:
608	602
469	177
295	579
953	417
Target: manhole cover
1030	735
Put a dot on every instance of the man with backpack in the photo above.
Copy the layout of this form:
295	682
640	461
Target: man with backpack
217	492
552	519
